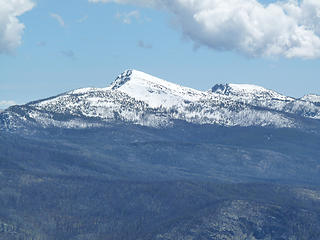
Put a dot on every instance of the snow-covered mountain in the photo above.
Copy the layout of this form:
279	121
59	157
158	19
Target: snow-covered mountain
138	98
154	91
312	98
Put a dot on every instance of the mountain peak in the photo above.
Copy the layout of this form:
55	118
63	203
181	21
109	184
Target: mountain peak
232	88
221	88
248	91
121	79
152	90
139	77
311	98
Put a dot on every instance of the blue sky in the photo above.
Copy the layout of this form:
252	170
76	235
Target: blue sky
73	44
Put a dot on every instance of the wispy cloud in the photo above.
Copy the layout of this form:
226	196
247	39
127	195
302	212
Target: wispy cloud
144	45
58	18
127	17
282	28
6	103
68	54
83	19
41	43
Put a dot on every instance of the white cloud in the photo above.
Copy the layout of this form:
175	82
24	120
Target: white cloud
289	28
11	28
148	3
58	18
5	104
127	17
83	19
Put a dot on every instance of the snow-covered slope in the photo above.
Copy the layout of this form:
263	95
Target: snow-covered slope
264	98
154	91
138	98
249	92
312	98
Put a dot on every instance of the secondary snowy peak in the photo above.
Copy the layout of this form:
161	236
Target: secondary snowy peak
248	91
154	91
231	88
312	98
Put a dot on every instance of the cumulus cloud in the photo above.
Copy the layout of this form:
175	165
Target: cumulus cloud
58	18
127	17
289	28
6	103
11	28
147	3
